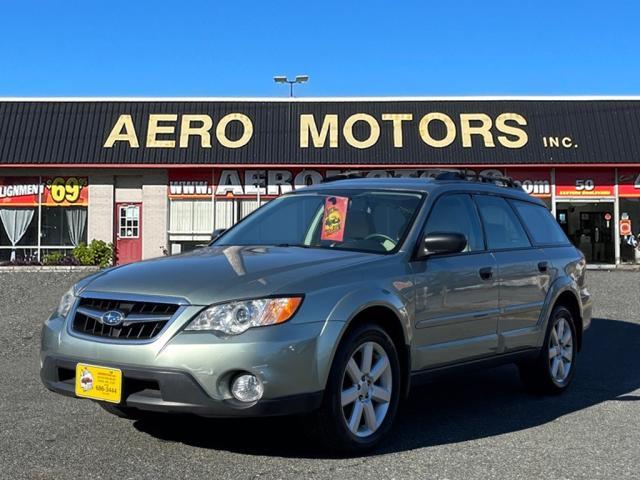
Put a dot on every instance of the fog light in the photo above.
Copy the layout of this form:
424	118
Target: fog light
247	388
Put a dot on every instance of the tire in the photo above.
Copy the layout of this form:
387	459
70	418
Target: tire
374	398
548	374
123	412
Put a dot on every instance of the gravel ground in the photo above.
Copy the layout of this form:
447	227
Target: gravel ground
481	425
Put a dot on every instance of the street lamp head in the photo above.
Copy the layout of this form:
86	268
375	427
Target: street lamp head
298	79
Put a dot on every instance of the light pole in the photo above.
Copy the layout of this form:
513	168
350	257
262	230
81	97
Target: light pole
298	79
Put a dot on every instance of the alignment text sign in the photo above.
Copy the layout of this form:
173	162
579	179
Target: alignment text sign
50	191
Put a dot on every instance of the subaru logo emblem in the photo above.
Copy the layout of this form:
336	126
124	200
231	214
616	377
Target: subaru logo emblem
113	318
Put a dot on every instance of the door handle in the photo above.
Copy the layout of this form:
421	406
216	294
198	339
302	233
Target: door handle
543	266
486	273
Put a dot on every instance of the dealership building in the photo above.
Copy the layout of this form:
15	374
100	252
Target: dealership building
157	176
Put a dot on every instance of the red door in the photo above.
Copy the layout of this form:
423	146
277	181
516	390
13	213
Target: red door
128	230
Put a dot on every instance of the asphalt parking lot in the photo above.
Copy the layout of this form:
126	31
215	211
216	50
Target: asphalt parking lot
482	425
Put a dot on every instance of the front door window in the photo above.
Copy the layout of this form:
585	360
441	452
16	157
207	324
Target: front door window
129	221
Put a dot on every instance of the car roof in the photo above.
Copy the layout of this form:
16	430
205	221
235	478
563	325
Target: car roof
423	185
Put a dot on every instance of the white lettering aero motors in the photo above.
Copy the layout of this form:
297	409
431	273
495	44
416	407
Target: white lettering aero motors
10	191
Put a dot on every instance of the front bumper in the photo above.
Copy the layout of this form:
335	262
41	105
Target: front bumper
166	390
191	371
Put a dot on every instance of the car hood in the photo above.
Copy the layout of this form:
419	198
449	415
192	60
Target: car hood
216	274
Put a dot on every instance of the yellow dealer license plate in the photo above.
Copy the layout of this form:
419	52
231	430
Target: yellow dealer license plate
99	383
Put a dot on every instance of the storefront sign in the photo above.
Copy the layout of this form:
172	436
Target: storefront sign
629	182
318	133
625	226
245	183
536	182
358	130
195	184
53	191
19	191
63	191
584	183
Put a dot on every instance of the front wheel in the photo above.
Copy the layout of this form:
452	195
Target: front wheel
362	393
553	370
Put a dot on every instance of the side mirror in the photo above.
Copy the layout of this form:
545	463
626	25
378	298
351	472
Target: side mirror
438	243
217	232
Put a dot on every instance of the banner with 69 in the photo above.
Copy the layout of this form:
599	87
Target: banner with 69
50	191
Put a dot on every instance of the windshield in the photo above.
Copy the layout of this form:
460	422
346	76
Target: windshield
370	221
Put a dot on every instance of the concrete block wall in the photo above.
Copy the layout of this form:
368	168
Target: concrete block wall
101	201
154	214
148	187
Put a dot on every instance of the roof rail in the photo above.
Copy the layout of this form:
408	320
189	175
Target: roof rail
350	174
437	174
345	176
470	176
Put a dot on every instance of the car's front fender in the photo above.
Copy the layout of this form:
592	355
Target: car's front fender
348	308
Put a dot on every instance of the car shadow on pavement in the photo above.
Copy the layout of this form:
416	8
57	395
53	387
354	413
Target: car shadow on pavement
461	408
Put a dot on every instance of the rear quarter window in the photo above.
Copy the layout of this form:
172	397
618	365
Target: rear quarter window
543	228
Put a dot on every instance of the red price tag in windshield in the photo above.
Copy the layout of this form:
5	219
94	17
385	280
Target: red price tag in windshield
335	217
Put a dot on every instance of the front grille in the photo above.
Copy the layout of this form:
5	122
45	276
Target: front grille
142	320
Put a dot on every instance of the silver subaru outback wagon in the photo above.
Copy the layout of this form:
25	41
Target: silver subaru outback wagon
331	302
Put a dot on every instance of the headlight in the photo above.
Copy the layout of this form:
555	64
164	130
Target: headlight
234	318
66	302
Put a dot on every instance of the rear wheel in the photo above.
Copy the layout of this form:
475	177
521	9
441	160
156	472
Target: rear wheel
362	393
553	370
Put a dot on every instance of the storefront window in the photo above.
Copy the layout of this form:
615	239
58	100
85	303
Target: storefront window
63	226
39	214
589	226
19	231
585	205
629	230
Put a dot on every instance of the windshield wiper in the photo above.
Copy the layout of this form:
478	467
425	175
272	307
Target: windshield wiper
301	245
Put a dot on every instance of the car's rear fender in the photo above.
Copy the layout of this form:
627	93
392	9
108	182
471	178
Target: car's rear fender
567	291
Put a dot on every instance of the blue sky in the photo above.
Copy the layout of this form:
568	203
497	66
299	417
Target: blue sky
233	48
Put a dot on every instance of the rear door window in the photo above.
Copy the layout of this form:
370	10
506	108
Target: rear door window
502	227
542	226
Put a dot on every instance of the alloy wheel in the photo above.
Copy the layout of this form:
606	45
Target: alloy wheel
366	389
560	351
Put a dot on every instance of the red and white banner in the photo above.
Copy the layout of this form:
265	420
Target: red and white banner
629	182
192	184
581	182
535	181
50	191
246	183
